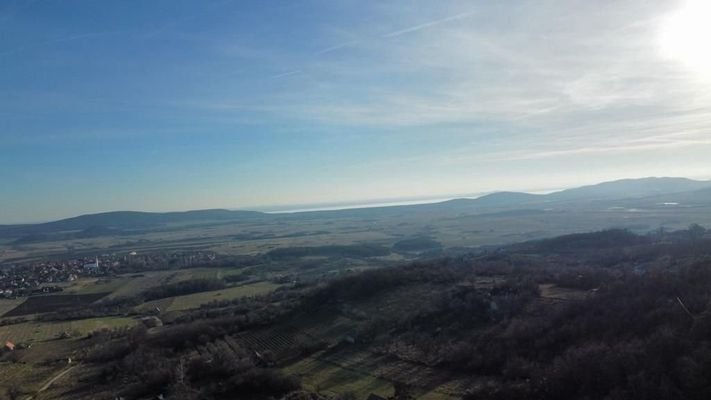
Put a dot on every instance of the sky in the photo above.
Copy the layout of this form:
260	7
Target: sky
174	105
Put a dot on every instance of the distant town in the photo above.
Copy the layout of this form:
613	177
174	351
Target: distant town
48	276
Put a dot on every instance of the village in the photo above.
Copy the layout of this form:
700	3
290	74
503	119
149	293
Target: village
48	276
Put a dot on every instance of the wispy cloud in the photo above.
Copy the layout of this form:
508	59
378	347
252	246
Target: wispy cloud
523	71
365	38
287	73
62	39
426	25
336	47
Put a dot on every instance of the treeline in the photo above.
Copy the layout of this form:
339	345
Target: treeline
638	337
182	288
616	238
192	358
352	251
169	260
640	330
422	243
371	282
149	367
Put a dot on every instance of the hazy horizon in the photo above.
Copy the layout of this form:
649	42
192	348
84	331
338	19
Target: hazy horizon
191	105
352	204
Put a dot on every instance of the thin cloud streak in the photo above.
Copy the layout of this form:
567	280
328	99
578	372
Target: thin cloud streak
337	47
287	73
427	25
68	38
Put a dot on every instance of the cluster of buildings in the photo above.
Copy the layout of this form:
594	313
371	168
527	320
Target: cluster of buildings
35	278
45	277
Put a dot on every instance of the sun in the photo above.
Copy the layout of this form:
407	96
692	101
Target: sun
686	35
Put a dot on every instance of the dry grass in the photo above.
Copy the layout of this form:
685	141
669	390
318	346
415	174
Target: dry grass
32	331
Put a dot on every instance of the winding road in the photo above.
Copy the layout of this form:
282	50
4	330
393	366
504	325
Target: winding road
51	381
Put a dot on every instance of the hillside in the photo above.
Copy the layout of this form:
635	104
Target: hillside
606	191
127	220
595	315
630	188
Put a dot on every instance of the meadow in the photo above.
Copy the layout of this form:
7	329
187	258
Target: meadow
53	303
195	300
38	331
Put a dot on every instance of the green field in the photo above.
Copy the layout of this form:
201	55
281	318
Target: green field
190	301
31	376
195	300
197	273
41	331
96	285
127	285
8	304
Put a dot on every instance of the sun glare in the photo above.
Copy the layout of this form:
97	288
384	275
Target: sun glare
686	35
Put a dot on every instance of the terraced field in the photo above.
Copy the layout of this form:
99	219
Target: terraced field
351	367
323	376
363	373
281	343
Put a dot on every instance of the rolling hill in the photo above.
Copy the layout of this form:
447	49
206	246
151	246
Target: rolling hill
607	191
121	221
630	193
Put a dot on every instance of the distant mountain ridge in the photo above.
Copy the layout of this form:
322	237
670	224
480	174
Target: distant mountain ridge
613	190
631	188
666	189
118	221
500	199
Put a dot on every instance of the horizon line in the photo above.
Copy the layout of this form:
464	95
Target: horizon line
357	204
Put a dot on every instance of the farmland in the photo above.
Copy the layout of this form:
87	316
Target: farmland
126	285
136	283
351	368
51	303
83	292
96	285
332	378
32	331
31	376
195	300
462	224
8	304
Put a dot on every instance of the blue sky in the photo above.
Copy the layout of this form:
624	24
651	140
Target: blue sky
172	105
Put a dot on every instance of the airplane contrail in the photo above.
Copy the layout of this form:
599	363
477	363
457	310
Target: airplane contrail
336	47
287	73
427	25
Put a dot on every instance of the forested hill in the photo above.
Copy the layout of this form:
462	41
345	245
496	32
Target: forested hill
129	220
603	315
